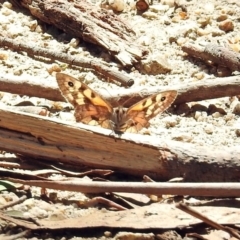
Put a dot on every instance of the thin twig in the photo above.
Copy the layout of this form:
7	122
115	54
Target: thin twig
205	219
13	203
193	189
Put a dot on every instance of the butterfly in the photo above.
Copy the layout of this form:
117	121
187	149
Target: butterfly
91	108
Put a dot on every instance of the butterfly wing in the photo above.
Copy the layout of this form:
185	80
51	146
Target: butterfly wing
89	107
138	115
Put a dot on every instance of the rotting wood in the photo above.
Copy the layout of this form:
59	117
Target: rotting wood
189	92
98	67
91	23
41	137
217	54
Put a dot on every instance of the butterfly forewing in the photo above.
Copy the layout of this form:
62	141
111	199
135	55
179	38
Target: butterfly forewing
90	108
139	114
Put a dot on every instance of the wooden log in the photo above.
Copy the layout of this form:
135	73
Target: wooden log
91	23
48	139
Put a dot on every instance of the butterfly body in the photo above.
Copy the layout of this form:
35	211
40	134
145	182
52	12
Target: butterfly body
91	108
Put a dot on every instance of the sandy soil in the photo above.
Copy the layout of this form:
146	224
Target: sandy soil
162	29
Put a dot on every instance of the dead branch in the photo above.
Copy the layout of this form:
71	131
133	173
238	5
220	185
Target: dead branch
98	67
193	189
189	92
217	54
91	23
31	87
196	91
79	144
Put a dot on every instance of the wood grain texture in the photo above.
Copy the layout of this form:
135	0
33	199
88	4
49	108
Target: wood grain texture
48	139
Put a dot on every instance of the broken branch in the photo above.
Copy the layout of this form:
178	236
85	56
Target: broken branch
217	54
98	67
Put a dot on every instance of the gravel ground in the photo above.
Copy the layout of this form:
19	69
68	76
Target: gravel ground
162	30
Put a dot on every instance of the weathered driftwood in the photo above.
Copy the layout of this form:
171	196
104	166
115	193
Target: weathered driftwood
99	68
189	92
91	23
136	154
220	55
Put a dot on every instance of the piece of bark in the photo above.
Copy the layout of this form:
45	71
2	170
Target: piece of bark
98	67
189	92
151	218
220	55
48	139
91	23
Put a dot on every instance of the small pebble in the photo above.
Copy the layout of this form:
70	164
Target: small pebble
217	115
74	42
6	11
226	25
66	116
204	21
237	131
117	5
236	109
183	138
209	129
107	234
222	17
159	8
54	68
7	5
156	64
199	76
150	15
229	117
170	3
197	115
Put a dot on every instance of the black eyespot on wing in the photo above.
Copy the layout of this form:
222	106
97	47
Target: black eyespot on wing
163	99
70	84
93	95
